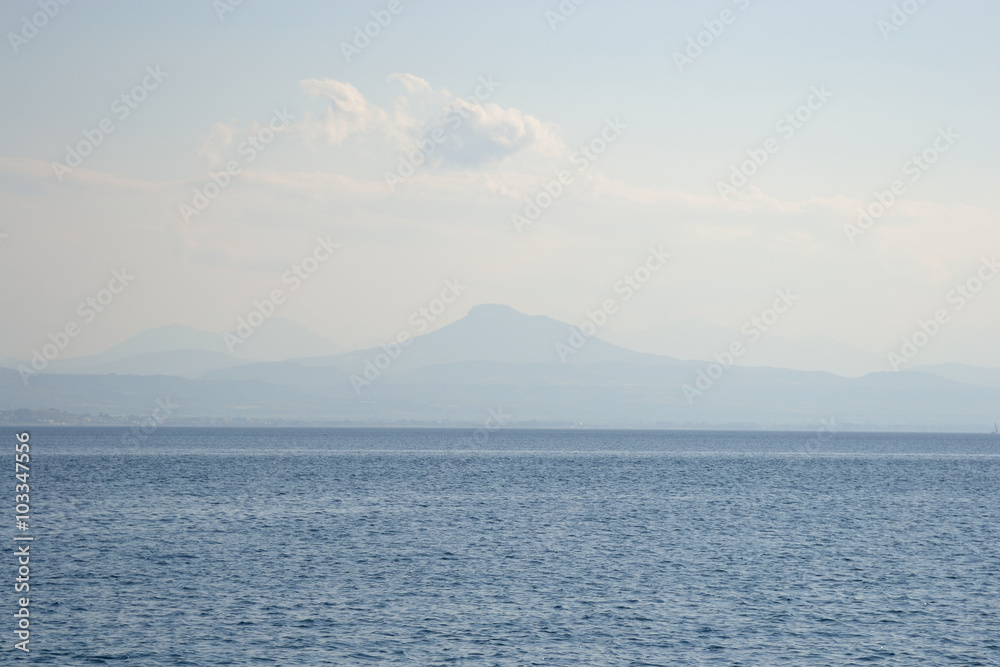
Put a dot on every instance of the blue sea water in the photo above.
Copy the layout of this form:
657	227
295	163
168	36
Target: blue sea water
425	547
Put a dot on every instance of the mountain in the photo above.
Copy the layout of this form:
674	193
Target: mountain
183	351
492	332
167	339
164	339
279	339
488	333
978	375
593	395
496	358
697	338
178	363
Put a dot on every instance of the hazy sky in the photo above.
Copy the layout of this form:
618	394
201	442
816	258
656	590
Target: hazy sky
198	87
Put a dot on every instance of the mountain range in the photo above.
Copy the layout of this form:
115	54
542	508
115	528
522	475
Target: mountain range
533	369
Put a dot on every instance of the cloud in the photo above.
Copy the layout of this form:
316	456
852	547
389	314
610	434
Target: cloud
214	146
40	171
348	112
477	132
490	133
414	84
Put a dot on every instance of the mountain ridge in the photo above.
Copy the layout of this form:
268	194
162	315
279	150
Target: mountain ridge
497	356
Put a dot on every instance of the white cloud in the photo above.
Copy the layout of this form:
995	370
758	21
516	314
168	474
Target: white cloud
214	146
414	84
348	112
478	132
491	133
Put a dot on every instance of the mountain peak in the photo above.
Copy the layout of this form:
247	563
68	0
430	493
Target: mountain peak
494	311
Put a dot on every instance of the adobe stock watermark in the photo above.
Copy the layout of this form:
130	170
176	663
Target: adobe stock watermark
265	308
249	149
139	433
372	29
30	27
582	159
827	430
915	168
787	125
223	7
410	161
563	11
752	329
714	28
899	17
88	310
22	552
420	319
496	419
122	107
627	286
926	330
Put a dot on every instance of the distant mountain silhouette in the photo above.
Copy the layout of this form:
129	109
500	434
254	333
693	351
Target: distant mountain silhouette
696	338
986	377
188	352
179	363
171	338
497	357
494	332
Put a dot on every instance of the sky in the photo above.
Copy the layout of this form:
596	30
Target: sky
489	105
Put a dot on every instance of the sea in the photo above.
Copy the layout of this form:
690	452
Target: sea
393	546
